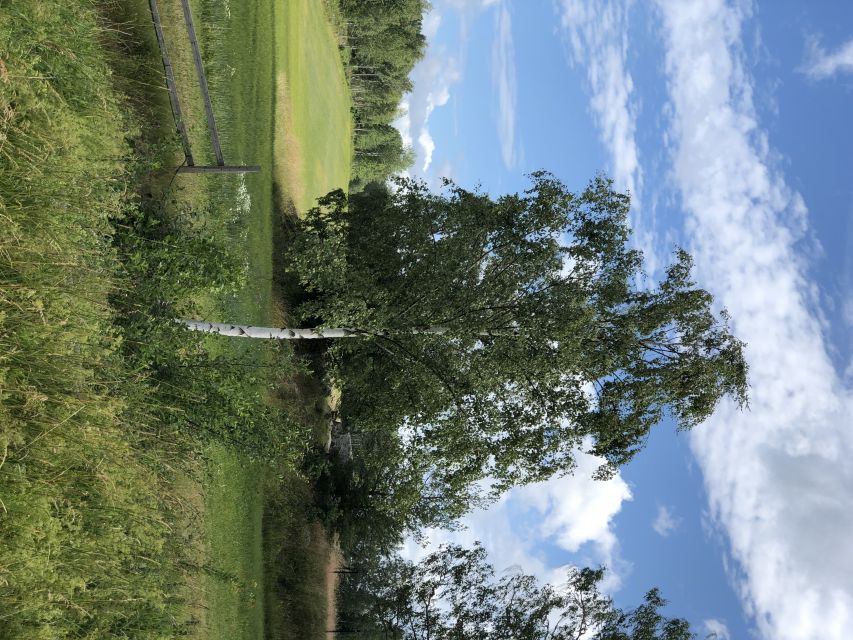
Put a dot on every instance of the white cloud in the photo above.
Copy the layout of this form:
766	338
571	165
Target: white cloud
665	522
435	76
779	477
596	34
597	40
821	64
427	145
433	79
504	82
574	512
716	630
404	122
507	547
577	510
431	24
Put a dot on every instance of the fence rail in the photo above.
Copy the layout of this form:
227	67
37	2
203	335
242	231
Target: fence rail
170	82
220	168
174	100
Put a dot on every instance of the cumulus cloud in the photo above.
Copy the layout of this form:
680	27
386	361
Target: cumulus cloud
596	34
436	74
504	82
495	528
779	477
575	513
665	522
821	64
431	24
716	630
576	510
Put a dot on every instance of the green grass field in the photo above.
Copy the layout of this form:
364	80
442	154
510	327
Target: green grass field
111	523
281	101
313	122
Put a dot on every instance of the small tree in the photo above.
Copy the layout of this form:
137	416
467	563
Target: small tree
454	594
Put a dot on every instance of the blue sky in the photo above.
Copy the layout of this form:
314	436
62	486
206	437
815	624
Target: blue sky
729	121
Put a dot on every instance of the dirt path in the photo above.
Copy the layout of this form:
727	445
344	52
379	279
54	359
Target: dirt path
334	562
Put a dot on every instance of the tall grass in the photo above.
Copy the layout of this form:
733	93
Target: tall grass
87	514
105	404
297	551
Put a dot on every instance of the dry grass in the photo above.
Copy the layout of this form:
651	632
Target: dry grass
333	563
288	171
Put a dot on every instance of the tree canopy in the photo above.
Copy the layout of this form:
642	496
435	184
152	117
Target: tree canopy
455	594
384	42
548	341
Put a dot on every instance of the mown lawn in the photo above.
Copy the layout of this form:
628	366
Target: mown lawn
313	122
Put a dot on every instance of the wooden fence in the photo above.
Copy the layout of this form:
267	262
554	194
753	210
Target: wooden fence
190	166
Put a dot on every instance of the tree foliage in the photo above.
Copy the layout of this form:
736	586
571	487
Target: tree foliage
550	344
455	594
385	42
379	152
378	497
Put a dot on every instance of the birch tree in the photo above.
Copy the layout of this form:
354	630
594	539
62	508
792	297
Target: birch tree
499	336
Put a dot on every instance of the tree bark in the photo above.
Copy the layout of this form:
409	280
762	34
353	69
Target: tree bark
321	333
284	333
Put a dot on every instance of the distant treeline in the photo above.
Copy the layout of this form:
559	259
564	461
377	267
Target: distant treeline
384	41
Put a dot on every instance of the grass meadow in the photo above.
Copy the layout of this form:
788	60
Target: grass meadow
313	122
119	517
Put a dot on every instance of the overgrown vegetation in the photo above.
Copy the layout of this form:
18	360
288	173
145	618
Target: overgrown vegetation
298	549
110	414
87	512
170	259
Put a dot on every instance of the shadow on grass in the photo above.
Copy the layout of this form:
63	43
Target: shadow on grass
306	387
297	549
285	227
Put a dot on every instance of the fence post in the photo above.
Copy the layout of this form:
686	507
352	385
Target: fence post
202	80
170	82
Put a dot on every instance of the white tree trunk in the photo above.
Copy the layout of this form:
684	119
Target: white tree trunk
273	333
